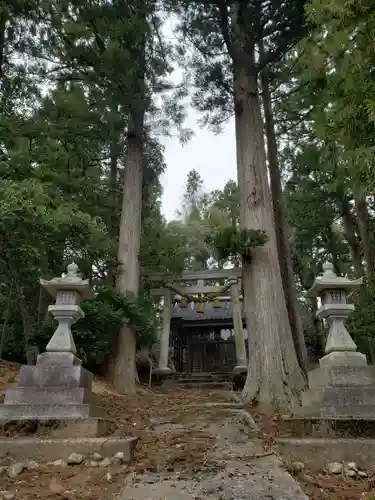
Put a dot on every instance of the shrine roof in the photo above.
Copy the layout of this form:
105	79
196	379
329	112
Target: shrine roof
210	313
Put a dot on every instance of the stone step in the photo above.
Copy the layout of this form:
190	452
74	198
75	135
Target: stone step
207	385
188	381
201	376
48	395
203	379
49	411
318	427
198	384
205	374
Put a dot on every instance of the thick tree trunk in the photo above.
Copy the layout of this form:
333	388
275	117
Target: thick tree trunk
274	375
113	158
306	276
122	362
283	247
333	249
29	324
318	325
351	237
6	319
365	225
113	222
122	366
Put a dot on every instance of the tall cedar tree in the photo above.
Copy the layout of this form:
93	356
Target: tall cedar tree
225	38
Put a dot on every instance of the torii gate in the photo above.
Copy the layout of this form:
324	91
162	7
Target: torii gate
165	285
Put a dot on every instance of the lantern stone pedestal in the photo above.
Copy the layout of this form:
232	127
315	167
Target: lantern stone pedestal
343	386
58	387
336	422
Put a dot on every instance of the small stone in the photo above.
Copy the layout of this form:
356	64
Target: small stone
349	472
75	459
59	463
7	495
352	466
91	463
119	456
334	468
31	465
97	456
298	466
362	473
15	469
108	476
106	462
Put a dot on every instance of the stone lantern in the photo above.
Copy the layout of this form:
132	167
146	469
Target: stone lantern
333	290
343	387
68	291
58	387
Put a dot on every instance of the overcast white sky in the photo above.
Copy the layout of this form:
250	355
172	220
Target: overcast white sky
213	156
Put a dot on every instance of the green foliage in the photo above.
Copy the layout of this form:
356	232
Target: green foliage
137	312
68	81
95	334
340	55
233	242
213	44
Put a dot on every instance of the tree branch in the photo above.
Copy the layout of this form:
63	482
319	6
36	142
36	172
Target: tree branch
223	11
277	54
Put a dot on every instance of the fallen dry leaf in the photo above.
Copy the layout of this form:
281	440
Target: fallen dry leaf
55	486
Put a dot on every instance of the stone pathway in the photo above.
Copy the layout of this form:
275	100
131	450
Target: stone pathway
241	472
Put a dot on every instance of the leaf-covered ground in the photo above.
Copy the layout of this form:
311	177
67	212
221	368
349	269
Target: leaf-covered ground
149	416
141	416
316	483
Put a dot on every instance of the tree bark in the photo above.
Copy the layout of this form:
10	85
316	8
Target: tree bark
6	319
332	248
365	225
283	247
351	237
317	324
122	366
113	222
29	324
274	376
122	361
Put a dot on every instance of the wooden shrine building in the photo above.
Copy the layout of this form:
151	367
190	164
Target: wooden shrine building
202	322
203	341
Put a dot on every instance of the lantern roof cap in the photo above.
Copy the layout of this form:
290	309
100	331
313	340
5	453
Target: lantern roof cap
70	281
330	281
